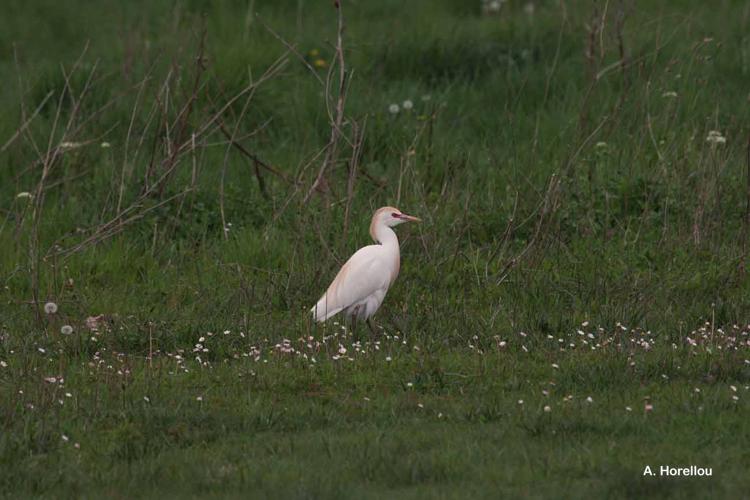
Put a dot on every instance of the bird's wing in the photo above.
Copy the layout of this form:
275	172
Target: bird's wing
363	274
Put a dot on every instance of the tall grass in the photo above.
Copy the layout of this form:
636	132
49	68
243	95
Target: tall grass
197	168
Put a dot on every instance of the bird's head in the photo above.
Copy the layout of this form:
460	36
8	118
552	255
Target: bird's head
389	217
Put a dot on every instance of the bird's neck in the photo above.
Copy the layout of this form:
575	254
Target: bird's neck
385	236
389	241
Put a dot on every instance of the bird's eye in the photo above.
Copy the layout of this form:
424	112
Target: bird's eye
395	215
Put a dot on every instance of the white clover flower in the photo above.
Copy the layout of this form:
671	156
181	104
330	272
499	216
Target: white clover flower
492	6
407	105
68	145
50	308
66	329
715	137
393	109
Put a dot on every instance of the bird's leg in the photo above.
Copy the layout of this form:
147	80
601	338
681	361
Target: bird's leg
372	327
353	326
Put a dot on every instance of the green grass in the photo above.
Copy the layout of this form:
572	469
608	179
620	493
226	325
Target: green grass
623	213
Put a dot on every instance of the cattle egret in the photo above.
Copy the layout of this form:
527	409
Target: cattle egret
360	286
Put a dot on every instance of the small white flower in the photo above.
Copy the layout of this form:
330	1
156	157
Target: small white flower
65	438
393	109
147	399
669	93
66	329
50	308
3	364
520	401
547	409
627	408
407	105
715	137
601	144
24	194
105	145
589	399
493	6
388	358
199	398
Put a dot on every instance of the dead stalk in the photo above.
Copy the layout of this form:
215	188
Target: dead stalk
336	123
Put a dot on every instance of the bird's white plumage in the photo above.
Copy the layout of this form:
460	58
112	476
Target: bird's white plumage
362	283
360	286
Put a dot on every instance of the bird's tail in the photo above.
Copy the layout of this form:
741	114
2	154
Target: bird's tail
322	311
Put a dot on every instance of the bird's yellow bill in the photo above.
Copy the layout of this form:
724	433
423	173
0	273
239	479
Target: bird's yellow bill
410	218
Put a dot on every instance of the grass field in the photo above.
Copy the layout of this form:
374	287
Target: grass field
183	179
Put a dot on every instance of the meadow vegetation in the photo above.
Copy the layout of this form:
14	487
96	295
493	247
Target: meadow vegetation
180	181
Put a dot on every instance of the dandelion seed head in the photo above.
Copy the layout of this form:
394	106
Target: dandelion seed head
50	308
715	137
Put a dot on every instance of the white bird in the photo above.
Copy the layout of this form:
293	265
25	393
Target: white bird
360	286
